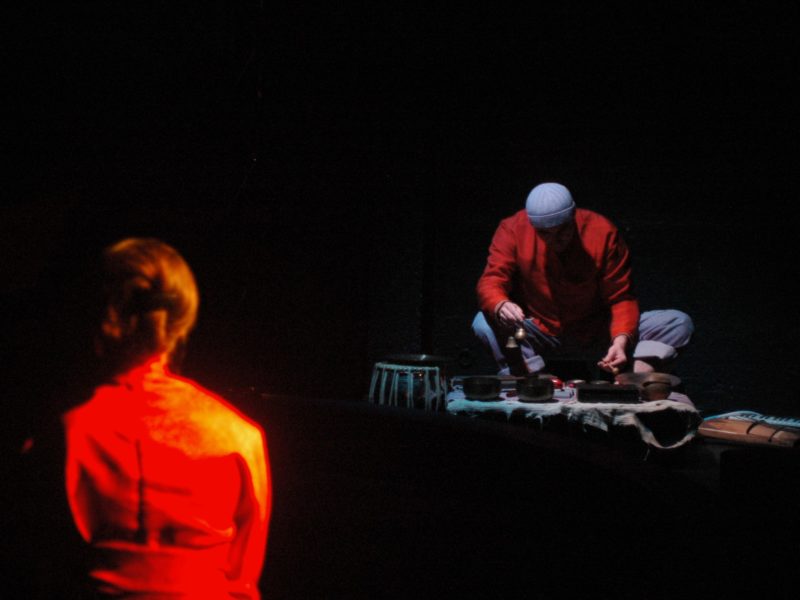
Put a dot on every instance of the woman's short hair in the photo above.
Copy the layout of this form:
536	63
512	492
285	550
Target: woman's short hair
150	299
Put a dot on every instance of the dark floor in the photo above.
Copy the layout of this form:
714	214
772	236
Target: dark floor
372	501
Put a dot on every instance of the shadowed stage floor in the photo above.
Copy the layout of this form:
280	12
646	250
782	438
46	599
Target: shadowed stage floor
373	501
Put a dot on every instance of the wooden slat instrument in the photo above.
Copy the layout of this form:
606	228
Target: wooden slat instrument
748	427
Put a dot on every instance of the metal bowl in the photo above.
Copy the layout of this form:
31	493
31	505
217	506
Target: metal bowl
535	388
641	379
482	387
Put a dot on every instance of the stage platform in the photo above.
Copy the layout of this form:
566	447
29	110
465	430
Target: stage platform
385	502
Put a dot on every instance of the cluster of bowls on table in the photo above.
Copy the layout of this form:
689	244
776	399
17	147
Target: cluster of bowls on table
531	388
539	387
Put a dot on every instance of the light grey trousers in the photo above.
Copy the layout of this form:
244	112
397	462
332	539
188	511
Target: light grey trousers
661	334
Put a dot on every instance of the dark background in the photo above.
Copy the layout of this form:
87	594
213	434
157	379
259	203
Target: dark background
334	176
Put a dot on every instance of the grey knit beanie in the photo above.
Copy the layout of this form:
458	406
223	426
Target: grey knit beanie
549	205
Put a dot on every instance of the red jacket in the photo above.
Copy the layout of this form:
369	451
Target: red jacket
582	294
170	487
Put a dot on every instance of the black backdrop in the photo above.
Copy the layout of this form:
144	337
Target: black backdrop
334	175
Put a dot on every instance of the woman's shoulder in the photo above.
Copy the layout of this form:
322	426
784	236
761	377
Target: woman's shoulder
210	411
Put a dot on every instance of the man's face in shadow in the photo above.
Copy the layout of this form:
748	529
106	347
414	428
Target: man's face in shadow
558	238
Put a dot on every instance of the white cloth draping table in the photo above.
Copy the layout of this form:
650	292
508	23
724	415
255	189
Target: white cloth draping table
664	424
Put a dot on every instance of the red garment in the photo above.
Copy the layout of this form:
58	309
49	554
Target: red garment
577	294
170	486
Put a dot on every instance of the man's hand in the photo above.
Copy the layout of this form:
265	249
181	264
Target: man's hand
615	358
509	313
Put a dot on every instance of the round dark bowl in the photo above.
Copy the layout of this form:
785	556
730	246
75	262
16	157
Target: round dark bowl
641	379
482	387
534	388
653	386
